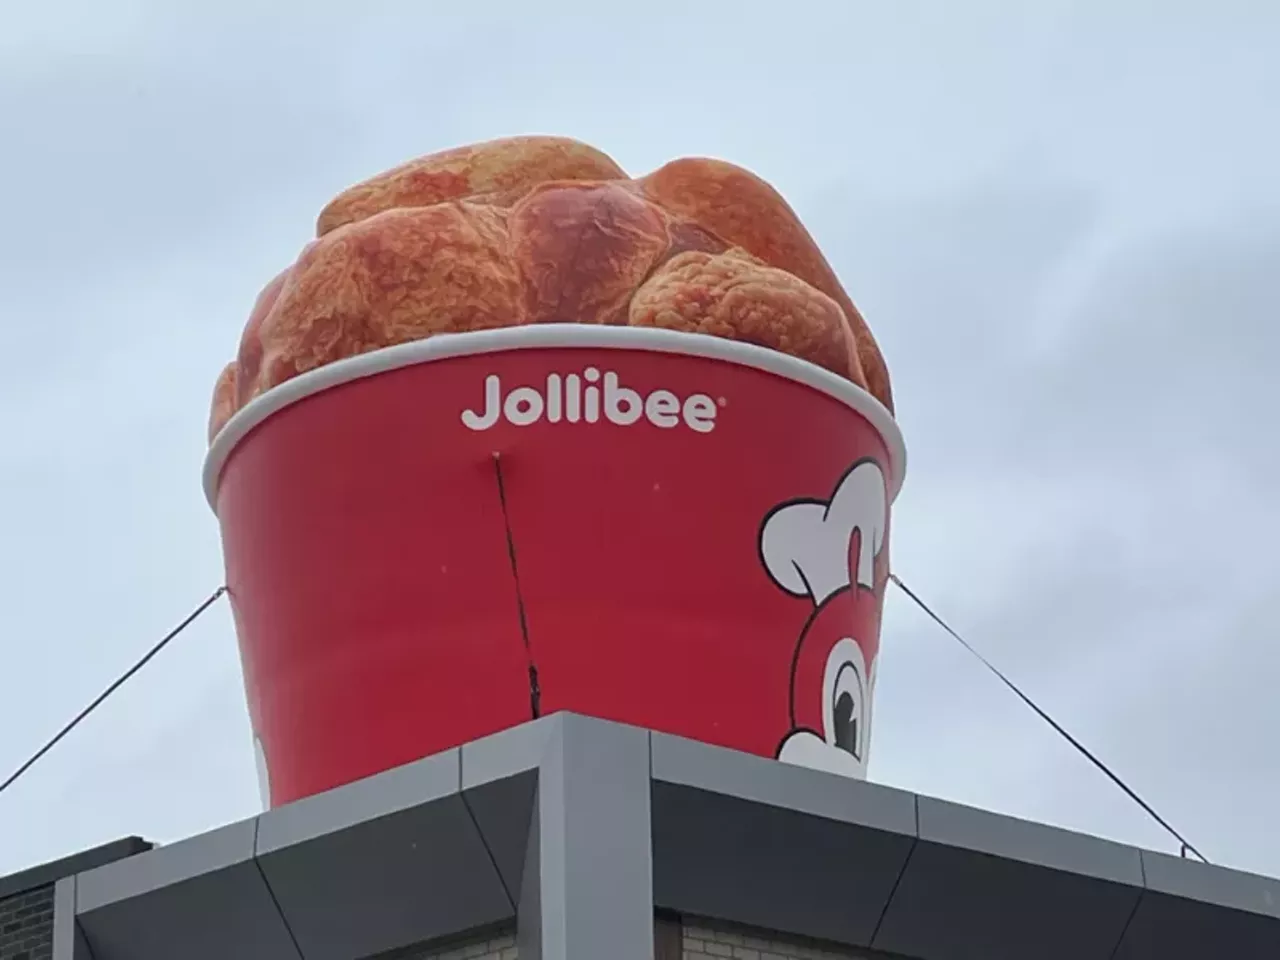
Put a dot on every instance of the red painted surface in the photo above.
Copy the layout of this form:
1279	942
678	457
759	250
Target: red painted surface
367	558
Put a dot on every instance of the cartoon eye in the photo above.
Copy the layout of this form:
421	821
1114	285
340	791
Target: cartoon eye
846	710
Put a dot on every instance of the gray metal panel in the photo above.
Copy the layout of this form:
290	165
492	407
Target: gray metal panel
529	907
225	848
1192	880
594	877
503	813
381	863
68	939
981	831
1192	910
689	763
979	886
201	899
510	752
327	813
499	780
401	858
750	840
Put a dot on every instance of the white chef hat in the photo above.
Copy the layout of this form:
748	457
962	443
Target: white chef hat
805	543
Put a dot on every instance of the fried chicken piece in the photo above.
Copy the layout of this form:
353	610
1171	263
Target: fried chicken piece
547	229
497	172
746	212
224	400
400	275
583	249
736	296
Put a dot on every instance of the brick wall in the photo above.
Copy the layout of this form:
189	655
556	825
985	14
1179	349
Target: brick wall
26	925
492	945
702	940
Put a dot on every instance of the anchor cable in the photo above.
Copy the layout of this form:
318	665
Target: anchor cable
120	681
1185	845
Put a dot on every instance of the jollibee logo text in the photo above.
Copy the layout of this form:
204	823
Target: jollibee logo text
584	398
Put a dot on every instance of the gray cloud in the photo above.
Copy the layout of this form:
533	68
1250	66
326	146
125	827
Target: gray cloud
1061	220
1121	480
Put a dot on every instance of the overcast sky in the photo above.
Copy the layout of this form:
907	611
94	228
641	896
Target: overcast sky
1061	219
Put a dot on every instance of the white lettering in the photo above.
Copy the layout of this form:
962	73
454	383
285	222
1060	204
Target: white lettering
621	404
555	397
492	406
566	399
572	398
591	396
662	407
700	413
524	406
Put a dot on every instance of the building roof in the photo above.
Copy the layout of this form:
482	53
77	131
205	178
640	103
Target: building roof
46	873
580	829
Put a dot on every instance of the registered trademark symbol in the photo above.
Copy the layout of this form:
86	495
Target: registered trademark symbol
722	401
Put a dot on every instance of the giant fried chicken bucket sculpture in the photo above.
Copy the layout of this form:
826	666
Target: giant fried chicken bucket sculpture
519	434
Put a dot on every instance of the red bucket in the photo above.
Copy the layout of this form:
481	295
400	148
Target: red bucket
433	542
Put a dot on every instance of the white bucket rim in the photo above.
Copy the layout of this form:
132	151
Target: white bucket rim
446	346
